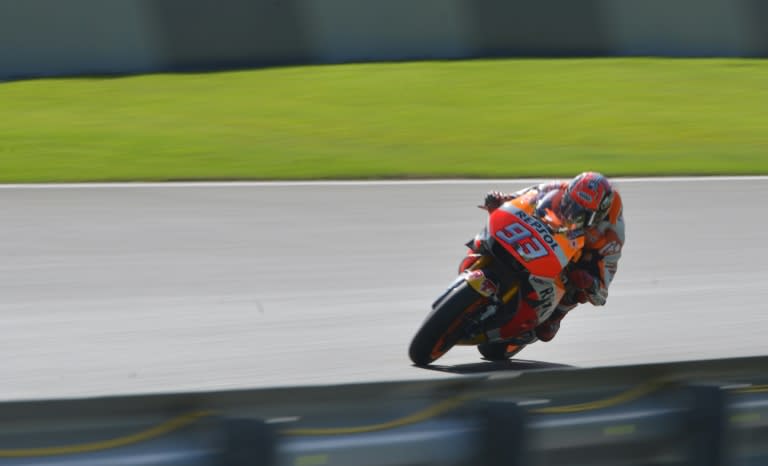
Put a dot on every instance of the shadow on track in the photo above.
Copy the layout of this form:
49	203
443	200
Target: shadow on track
496	366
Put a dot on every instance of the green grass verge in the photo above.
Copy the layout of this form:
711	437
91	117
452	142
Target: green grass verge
478	118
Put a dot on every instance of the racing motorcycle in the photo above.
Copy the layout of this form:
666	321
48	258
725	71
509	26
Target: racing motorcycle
516	281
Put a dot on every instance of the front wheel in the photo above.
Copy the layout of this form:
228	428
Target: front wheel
443	327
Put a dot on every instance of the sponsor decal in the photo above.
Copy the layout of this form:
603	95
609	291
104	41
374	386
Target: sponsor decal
610	249
480	283
586	197
540	228
487	287
546	296
529	236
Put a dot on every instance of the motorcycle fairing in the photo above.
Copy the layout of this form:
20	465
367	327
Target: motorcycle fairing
535	304
541	251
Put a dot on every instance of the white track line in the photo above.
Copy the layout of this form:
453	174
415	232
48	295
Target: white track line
247	184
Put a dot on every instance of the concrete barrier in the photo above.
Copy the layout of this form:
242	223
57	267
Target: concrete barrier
702	412
76	37
53	38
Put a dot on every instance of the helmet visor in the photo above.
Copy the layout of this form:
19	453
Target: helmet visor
575	215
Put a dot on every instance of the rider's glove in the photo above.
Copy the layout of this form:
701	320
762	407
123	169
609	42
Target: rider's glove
493	200
581	279
583	282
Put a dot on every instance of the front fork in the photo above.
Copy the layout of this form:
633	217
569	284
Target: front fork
484	286
476	278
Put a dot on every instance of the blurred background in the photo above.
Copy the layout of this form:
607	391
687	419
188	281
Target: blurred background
224	221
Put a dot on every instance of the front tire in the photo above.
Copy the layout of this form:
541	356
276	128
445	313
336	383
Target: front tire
443	327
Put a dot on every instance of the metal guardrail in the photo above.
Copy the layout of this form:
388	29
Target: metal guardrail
691	413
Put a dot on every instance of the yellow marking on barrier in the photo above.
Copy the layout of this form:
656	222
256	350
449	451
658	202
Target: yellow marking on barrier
616	431
624	397
154	432
745	418
311	460
754	389
419	416
450	404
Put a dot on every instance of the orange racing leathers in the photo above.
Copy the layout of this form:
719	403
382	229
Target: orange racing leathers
590	277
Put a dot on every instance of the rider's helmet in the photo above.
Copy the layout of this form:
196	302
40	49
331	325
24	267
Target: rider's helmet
586	200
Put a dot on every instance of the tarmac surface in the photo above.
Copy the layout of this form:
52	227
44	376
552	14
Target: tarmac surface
117	289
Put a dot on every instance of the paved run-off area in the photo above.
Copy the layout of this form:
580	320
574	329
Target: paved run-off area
155	288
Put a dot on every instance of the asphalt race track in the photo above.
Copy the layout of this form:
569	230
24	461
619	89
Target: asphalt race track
128	289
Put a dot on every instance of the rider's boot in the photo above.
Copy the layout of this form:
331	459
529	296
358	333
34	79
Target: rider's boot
547	330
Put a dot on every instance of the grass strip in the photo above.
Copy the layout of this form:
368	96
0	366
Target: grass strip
476	118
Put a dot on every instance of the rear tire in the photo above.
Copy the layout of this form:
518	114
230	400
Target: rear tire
499	351
443	327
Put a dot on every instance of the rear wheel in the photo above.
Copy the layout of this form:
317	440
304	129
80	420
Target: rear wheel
499	351
444	326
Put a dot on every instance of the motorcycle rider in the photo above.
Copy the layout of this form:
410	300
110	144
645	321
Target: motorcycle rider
589	205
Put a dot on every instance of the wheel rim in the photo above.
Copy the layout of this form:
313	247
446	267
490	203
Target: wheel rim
440	347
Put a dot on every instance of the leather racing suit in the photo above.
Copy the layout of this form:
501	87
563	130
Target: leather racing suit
590	277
